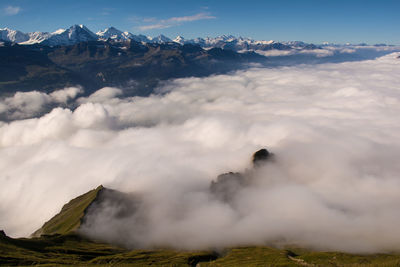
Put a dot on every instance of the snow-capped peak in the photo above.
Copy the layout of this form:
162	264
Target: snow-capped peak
79	33
160	39
180	40
9	35
108	31
112	33
59	31
80	30
264	42
74	34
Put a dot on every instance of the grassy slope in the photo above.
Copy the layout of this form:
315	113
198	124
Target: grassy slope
57	249
73	250
61	246
70	217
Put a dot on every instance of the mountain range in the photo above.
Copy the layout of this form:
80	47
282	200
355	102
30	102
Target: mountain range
135	66
76	56
80	33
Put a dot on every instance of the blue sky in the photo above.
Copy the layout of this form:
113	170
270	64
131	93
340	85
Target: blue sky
314	21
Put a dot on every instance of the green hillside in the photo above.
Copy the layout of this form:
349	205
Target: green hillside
58	243
74	250
70	217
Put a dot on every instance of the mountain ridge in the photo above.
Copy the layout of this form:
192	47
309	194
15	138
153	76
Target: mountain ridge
63	37
96	64
80	33
69	219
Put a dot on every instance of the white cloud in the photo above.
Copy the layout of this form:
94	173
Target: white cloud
174	21
321	52
12	10
101	95
154	27
334	129
199	16
28	104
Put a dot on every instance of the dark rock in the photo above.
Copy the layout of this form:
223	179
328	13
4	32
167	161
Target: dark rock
123	205
227	185
261	156
2	233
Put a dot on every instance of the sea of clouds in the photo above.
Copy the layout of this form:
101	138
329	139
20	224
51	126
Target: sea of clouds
334	183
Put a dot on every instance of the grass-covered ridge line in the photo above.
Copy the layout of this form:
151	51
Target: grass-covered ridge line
59	244
71	215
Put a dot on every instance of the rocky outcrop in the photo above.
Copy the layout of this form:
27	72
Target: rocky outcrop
227	185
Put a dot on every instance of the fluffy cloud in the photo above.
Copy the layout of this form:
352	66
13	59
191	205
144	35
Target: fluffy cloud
28	104
334	129
329	51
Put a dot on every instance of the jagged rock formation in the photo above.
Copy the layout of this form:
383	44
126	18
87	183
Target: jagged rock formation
227	185
261	156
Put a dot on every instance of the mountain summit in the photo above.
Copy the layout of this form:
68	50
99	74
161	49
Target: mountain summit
114	34
75	34
14	36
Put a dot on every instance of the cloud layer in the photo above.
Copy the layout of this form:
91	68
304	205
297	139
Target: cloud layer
29	104
334	129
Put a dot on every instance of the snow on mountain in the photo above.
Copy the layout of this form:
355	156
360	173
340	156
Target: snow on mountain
73	35
234	43
36	37
160	39
79	33
180	40
114	34
140	38
13	35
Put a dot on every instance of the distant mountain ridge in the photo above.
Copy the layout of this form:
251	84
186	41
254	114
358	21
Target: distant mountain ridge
76	56
80	33
135	66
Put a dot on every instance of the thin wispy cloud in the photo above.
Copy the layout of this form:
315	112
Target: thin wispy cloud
199	16
174	21
154	27
12	10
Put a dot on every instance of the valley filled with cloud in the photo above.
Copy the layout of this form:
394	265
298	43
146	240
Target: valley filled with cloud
334	183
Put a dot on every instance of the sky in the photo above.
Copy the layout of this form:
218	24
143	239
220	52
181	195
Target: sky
315	21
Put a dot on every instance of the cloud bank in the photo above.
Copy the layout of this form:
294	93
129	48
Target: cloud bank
28	104
334	184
